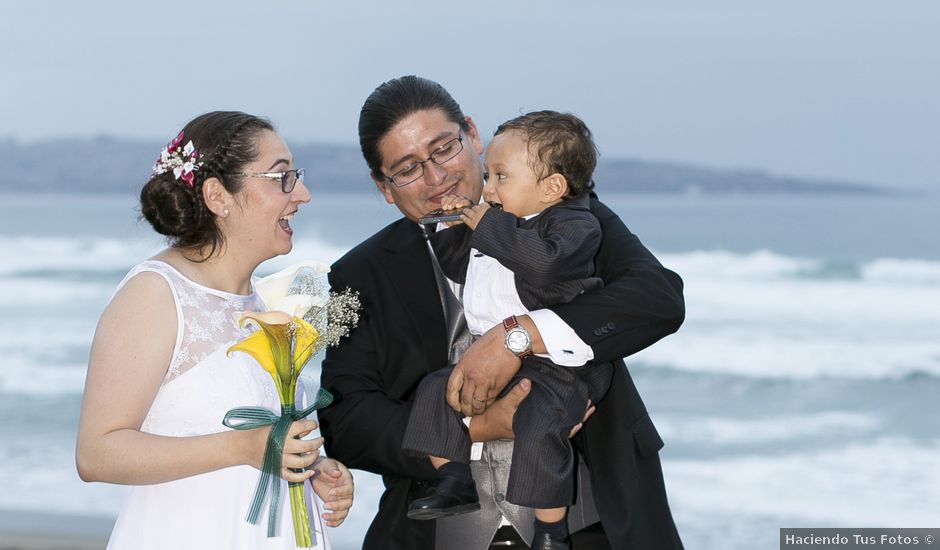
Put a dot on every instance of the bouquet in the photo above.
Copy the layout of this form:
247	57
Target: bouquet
303	318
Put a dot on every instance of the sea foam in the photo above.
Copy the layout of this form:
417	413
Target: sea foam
760	315
887	482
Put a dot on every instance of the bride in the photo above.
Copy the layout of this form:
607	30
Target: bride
159	380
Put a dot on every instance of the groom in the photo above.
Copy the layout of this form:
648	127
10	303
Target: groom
401	337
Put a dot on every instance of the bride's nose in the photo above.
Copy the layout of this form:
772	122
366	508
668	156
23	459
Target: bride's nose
300	192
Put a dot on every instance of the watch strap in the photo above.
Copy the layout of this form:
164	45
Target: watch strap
510	322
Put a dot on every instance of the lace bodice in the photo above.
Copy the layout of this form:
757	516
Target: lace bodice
206	318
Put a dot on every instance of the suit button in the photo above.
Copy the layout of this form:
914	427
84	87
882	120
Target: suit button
610	325
597	332
500	497
605	330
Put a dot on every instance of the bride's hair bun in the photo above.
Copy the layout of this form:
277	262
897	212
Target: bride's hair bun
172	202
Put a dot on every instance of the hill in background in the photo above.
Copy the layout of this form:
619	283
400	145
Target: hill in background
110	165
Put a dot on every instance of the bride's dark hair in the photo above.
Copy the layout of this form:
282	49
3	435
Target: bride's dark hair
227	141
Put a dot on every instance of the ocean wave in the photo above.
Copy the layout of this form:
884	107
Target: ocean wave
711	430
33	293
758	315
906	272
31	254
888	482
718	264
75	258
38	380
757	354
766	265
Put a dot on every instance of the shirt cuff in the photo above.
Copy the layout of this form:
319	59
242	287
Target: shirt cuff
564	346
476	449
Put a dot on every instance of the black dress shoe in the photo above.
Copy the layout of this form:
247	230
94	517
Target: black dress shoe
544	541
445	496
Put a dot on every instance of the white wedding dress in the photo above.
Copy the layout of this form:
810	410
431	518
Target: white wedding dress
201	385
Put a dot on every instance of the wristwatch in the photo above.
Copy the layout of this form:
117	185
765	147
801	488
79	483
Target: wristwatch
518	340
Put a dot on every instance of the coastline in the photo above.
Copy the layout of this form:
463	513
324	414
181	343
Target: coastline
27	530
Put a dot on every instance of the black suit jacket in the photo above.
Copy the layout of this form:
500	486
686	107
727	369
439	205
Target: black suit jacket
373	375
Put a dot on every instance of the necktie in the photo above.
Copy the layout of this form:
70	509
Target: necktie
458	335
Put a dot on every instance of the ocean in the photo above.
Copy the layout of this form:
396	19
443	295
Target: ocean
800	392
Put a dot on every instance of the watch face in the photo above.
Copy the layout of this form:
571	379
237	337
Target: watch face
517	341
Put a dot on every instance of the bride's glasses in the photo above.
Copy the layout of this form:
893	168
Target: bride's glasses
287	178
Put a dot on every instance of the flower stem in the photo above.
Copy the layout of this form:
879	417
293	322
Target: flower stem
298	508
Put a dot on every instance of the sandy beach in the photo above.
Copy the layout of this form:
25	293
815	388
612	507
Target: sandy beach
39	531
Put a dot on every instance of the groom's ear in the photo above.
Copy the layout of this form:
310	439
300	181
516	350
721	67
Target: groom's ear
217	198
384	188
474	134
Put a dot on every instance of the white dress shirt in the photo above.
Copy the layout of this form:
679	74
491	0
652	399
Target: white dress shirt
490	295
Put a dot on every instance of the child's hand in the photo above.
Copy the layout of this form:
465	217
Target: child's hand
454	202
451	202
472	216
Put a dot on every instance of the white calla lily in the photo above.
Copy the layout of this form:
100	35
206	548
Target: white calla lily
296	305
273	290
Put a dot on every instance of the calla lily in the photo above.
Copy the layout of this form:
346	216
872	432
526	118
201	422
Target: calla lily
282	347
305	339
271	347
257	346
273	290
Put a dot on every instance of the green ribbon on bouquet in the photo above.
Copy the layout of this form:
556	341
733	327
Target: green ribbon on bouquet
248	418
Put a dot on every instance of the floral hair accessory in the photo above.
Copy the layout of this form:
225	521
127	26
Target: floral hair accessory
183	161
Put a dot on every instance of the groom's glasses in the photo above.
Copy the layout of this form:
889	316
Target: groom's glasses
410	173
288	178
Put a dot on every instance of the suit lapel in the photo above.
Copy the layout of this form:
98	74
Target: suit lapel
408	268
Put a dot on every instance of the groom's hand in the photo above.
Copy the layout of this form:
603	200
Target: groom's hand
483	372
334	485
496	422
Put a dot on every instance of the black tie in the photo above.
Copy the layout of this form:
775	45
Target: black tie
458	335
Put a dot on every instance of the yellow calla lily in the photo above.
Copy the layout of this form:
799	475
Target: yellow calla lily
271	347
257	346
276	325
305	339
282	347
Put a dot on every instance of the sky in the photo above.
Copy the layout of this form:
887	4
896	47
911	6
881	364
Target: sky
845	90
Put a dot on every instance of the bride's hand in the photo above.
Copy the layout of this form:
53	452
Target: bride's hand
334	485
300	454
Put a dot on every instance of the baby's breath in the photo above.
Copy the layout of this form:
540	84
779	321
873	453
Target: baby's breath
337	317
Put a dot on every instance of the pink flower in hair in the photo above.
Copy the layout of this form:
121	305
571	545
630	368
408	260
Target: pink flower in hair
176	142
187	173
183	162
